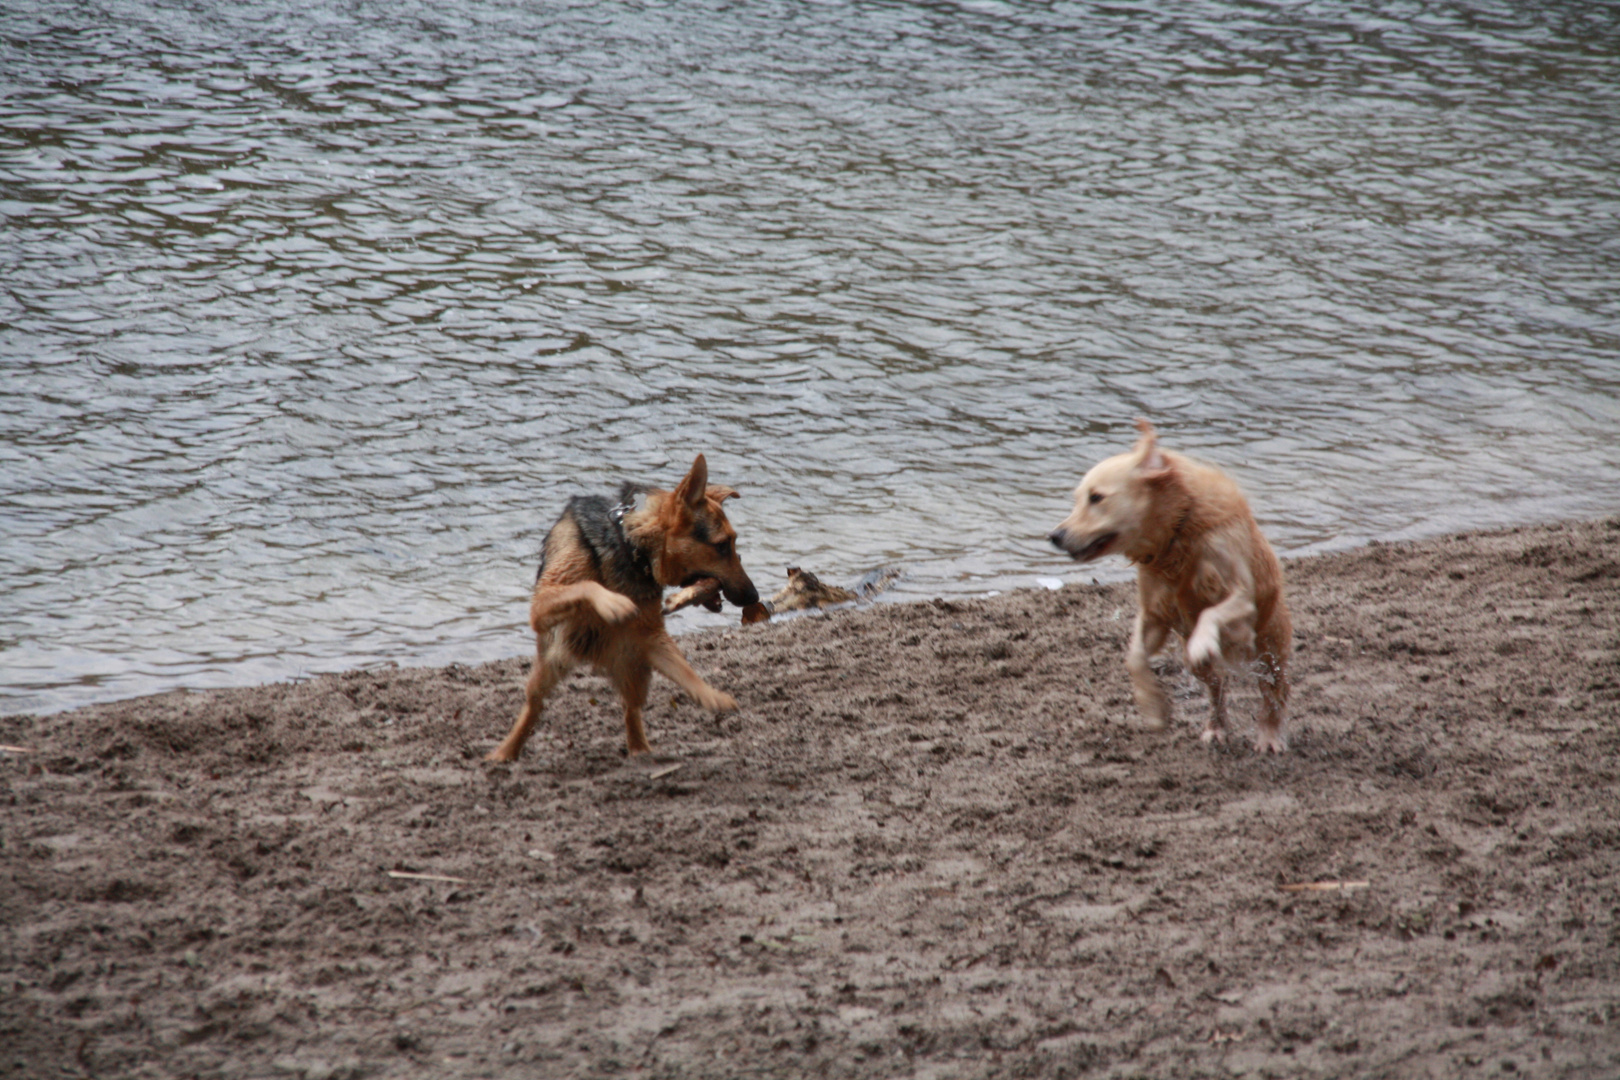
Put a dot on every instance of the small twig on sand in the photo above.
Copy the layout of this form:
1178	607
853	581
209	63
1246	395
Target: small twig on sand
666	770
1324	886
15	749
428	877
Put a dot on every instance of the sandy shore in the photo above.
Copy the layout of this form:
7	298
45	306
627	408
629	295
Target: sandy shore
934	843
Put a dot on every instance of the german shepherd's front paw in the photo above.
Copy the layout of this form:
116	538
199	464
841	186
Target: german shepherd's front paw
612	607
718	701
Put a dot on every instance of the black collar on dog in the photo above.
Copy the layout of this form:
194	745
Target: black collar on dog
638	555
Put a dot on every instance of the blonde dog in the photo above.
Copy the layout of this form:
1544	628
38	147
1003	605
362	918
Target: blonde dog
1203	570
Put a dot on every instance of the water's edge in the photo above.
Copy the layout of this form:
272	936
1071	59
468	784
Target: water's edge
683	625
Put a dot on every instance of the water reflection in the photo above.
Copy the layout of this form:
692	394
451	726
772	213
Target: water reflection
314	317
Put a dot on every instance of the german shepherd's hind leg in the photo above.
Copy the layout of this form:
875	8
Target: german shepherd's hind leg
631	676
667	661
1146	640
550	665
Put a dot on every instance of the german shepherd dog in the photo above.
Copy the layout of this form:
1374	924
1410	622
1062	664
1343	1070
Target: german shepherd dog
1203	570
598	597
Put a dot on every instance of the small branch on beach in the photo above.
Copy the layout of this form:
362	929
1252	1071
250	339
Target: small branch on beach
428	877
666	770
1325	886
15	749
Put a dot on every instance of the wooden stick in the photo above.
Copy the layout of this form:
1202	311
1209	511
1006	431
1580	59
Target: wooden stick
16	749
666	770
1324	886
428	877
705	591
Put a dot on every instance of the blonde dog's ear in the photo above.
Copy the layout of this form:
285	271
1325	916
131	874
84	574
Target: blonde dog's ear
1151	464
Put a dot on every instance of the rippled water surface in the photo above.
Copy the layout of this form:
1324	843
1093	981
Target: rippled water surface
313	315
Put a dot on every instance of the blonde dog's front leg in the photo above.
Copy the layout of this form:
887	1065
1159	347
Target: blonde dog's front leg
1147	639
667	660
1274	644
1210	675
1224	630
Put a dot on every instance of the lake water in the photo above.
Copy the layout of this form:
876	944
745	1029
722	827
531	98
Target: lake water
314	314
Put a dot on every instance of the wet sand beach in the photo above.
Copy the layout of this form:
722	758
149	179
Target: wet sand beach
934	842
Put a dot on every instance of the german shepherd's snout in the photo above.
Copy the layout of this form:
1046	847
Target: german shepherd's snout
740	593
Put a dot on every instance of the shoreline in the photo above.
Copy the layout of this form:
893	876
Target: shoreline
697	622
934	842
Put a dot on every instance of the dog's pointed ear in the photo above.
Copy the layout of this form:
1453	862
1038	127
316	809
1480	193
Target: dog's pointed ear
692	490
1151	464
720	493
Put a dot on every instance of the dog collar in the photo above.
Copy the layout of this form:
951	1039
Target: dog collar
629	499
639	557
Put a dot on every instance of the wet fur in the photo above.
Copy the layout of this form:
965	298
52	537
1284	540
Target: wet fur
1204	572
598	596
